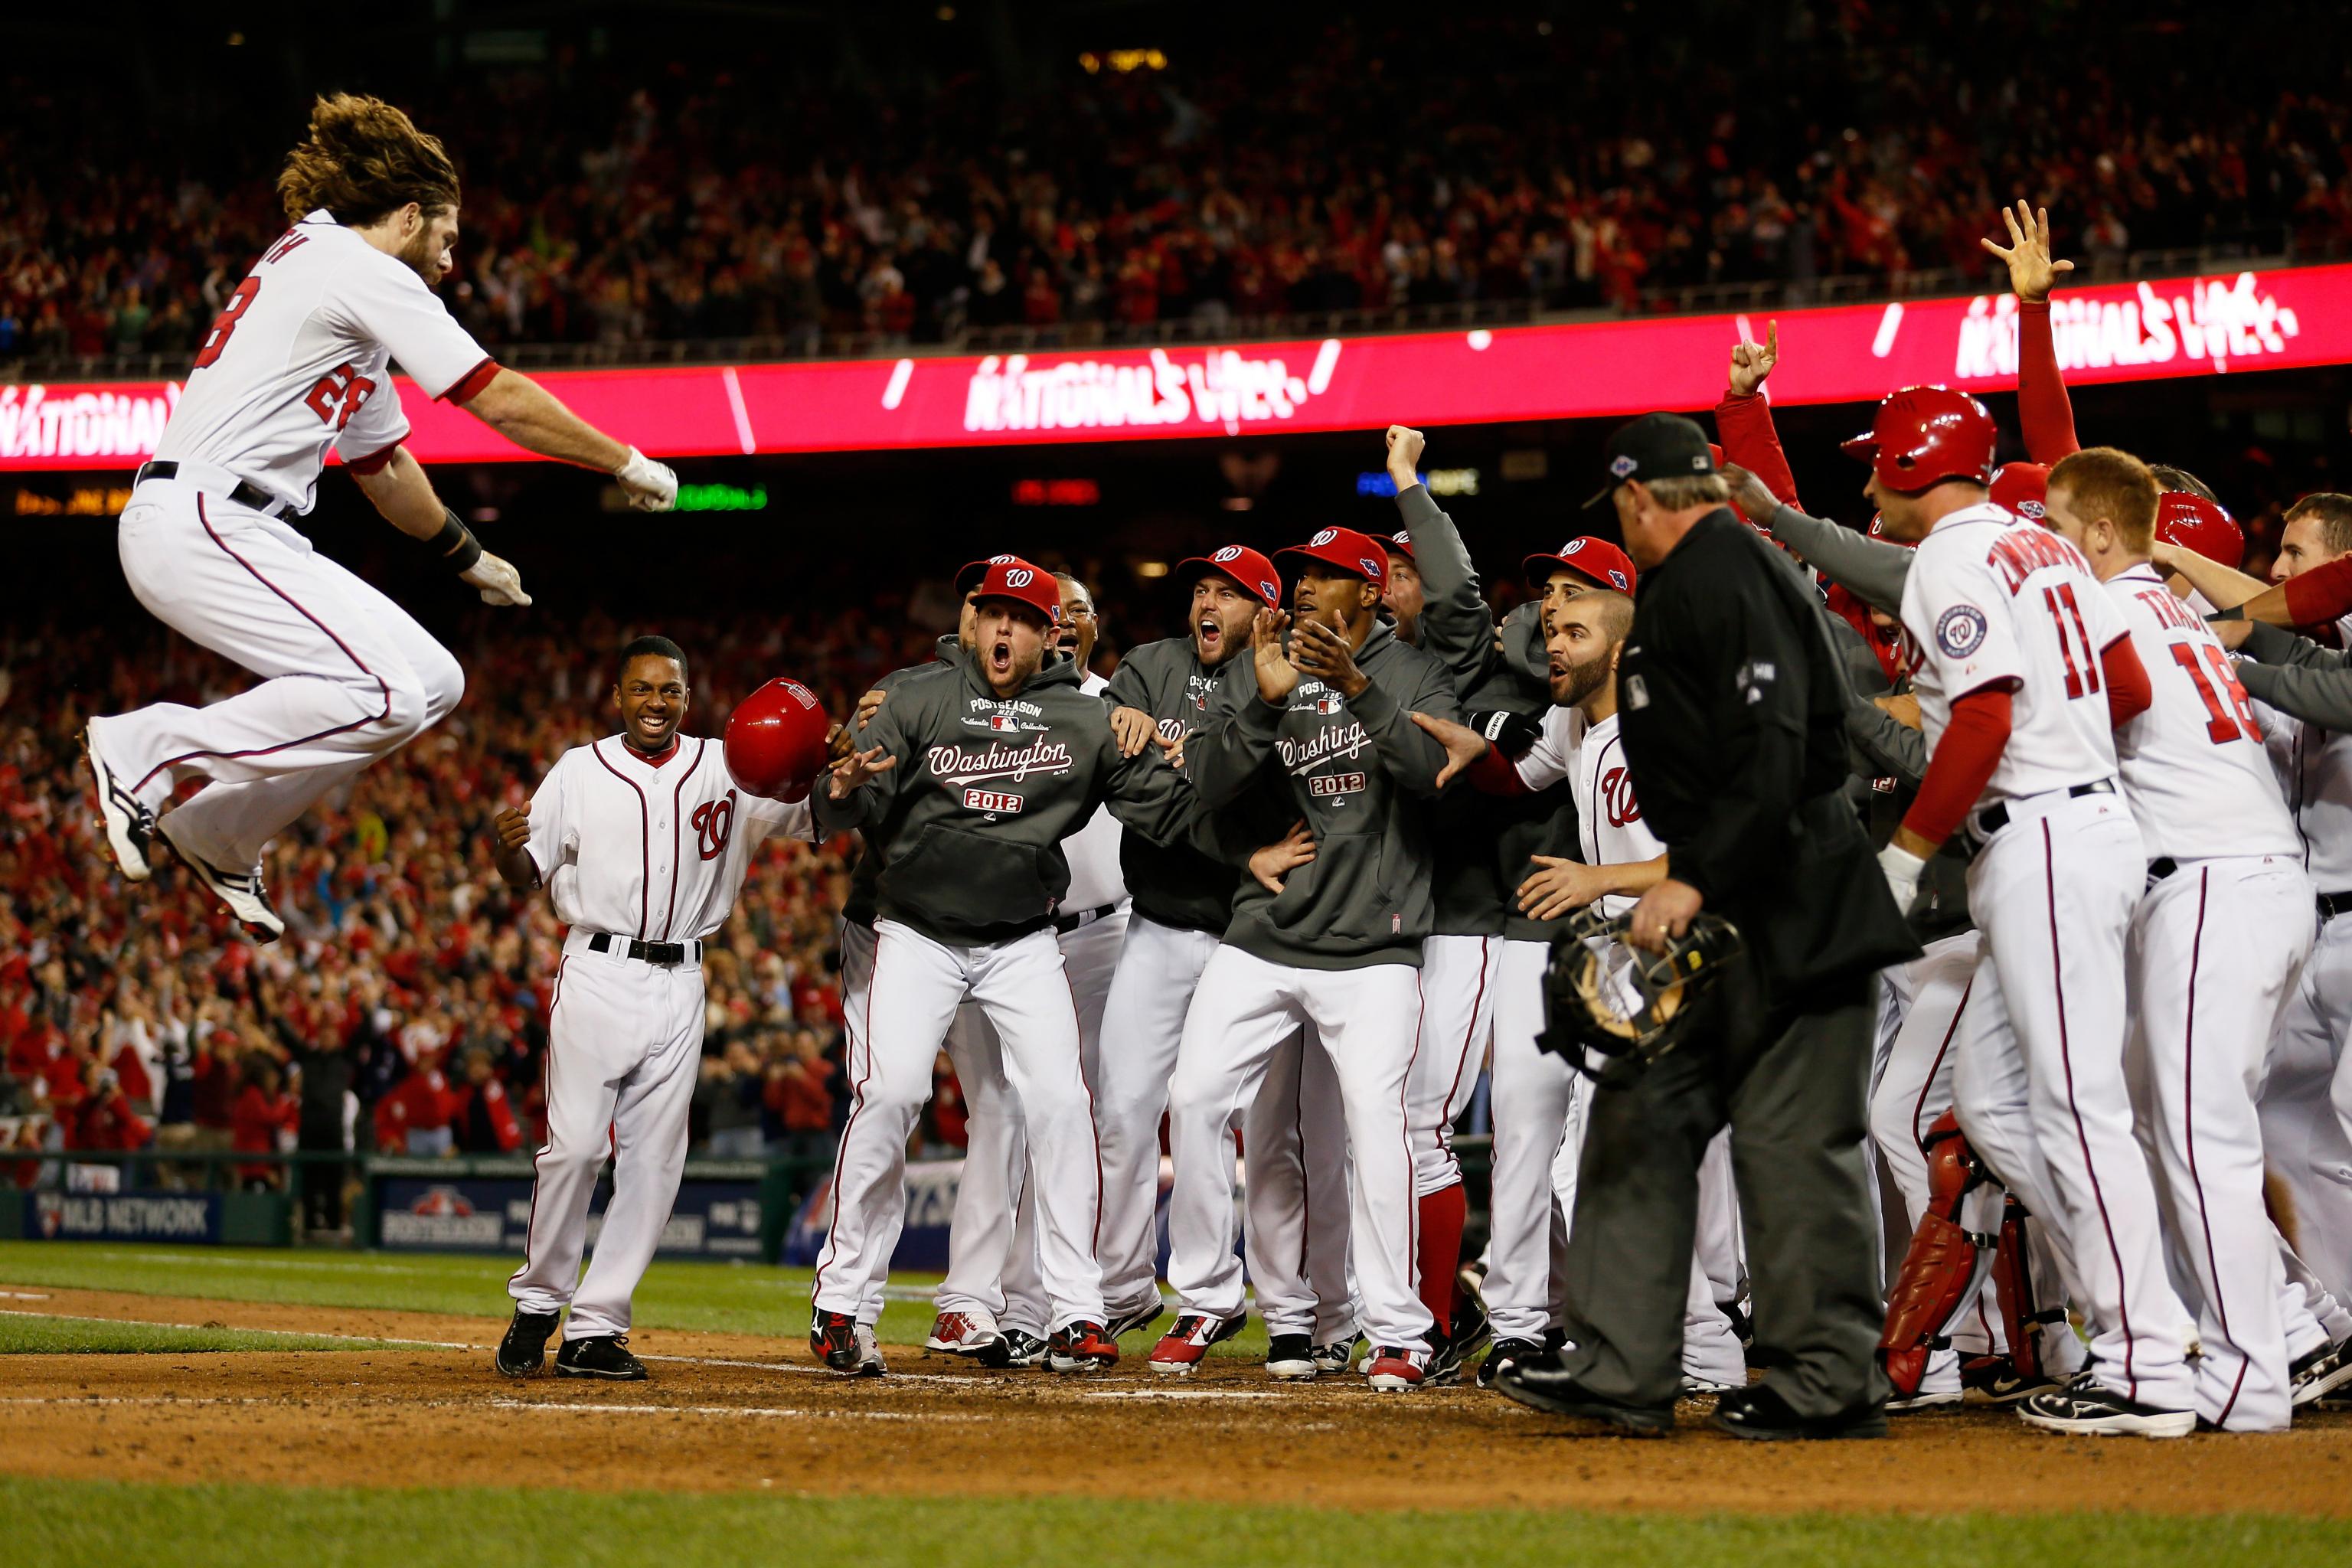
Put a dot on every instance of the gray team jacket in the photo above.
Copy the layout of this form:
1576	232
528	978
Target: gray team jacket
970	821
1176	884
1362	774
1485	843
2298	677
858	906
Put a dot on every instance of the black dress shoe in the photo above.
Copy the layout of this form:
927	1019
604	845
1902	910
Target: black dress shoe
1761	1415
1540	1383
600	1355
524	1350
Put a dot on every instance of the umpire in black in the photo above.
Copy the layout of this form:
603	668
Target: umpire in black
1733	705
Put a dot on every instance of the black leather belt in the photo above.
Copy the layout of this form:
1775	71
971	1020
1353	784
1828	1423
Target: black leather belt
2160	867
650	952
2334	904
1993	821
250	496
1064	924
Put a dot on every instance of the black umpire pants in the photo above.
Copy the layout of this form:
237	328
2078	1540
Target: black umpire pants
1793	1083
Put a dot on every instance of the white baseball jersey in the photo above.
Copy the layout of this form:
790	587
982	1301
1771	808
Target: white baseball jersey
1093	850
1991	600
1591	758
691	830
2193	766
298	361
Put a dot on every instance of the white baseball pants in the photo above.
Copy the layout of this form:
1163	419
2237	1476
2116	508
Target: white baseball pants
992	1241
625	1041
1143	1017
1459	975
2308	1144
2214	948
349	676
1294	1202
856	980
916	985
1539	1104
2040	1085
1368	1021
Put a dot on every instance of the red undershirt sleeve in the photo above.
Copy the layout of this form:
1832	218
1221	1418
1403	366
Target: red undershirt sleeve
1966	755
2129	694
1750	440
2321	595
2042	406
1495	774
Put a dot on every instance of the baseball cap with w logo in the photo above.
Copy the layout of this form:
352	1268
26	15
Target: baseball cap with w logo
1344	549
1594	559
967	579
1009	577
1250	570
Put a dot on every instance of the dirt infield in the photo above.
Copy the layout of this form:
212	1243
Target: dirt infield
739	1411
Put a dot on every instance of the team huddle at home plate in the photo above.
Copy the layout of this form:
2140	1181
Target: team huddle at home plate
1269	899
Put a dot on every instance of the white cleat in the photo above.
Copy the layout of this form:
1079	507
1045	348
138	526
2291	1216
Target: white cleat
2085	1408
130	826
242	892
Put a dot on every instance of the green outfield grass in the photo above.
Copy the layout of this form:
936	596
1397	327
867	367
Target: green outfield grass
106	1524
747	1299
24	1334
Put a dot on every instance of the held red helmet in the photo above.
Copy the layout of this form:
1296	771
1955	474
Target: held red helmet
775	740
1923	436
2195	523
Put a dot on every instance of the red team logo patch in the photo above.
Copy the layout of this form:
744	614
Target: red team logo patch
714	825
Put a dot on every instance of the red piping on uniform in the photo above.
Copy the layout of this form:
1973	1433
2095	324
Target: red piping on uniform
202	518
677	799
547	1091
374	461
1461	1060
1919	1106
2066	1055
462	390
2188	1130
645	838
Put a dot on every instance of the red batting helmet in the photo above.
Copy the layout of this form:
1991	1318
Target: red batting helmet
1923	436
1595	560
775	740
2022	490
2195	523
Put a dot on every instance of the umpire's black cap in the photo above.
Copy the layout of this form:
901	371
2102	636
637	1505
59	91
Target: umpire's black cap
1655	446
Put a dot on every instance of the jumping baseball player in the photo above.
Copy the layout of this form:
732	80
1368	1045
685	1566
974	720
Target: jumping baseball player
1316	719
2024	667
2215	944
295	364
992	1273
641	840
1295	1237
976	772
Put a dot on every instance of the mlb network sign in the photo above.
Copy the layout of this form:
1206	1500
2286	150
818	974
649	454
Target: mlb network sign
2283	319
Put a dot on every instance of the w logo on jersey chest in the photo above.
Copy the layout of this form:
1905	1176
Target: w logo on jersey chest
714	825
1617	802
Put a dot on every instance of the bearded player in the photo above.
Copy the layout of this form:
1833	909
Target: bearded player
297	364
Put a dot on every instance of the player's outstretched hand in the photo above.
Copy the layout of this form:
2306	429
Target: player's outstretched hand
651	486
1756	503
2031	269
868	705
1751	362
1320	652
857	767
1561	887
511	828
1405	447
1277	678
1463	744
1270	863
500	583
1663	913
1134	729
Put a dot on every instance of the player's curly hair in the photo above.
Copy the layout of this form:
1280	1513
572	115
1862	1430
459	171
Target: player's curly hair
365	160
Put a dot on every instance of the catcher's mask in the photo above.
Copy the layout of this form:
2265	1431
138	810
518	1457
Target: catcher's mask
1605	998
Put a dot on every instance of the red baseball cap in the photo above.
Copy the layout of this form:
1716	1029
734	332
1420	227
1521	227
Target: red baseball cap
1009	577
969	577
1358	554
2022	489
1401	544
1595	560
1250	570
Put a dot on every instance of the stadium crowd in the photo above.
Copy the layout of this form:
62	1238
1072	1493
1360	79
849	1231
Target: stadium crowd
406	1012
1294	167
